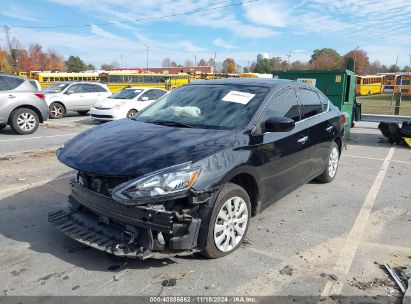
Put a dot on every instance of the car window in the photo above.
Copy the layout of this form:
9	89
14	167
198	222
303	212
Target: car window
310	103
3	84
159	93
284	104
93	88
76	88
12	82
98	88
151	94
34	84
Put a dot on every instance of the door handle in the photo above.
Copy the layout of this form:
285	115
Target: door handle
302	140
329	128
12	96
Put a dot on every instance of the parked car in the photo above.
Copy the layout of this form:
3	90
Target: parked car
62	97
188	172
21	105
125	103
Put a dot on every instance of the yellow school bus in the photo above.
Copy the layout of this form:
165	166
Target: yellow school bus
48	78
403	85
368	85
116	81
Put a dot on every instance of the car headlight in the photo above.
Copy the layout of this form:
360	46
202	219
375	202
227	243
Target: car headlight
167	181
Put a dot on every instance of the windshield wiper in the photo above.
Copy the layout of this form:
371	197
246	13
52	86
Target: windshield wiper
174	124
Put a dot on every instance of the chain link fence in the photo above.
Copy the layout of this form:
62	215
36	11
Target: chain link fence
385	100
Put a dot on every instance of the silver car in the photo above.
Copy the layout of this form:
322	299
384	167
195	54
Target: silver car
62	97
22	106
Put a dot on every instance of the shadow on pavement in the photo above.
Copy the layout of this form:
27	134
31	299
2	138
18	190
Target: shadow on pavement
24	219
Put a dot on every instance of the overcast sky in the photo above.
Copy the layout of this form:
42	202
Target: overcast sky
276	27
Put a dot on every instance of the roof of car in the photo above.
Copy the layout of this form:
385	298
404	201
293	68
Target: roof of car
262	82
140	88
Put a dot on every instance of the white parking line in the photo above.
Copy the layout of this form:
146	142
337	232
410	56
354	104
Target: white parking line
37	137
61	124
379	159
346	256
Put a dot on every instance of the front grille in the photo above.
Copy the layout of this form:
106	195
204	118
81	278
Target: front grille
101	116
100	184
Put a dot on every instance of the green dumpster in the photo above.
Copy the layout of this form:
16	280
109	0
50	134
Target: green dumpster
337	85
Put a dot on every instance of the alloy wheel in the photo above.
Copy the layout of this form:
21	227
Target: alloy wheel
26	121
333	162
230	224
56	111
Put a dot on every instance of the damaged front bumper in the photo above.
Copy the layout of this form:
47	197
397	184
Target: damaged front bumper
132	231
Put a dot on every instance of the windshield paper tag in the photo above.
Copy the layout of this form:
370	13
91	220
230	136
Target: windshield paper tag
238	97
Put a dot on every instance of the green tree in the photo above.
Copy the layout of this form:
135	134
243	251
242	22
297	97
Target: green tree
76	64
267	65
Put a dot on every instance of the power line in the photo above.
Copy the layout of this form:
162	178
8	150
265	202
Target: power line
137	20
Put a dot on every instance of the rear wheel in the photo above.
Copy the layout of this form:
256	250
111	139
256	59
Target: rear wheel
132	113
331	167
56	110
229	221
24	121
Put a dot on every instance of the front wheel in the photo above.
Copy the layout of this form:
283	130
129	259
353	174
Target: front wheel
229	221
331	167
132	113
24	121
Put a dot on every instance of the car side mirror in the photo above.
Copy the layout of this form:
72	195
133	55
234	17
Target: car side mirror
145	98
278	124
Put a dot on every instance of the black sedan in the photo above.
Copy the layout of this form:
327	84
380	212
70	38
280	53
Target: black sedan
188	172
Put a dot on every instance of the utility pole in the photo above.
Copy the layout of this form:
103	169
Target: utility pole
126	61
147	47
409	66
195	60
13	59
121	57
215	64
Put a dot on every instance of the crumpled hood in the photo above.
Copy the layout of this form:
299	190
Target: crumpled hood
130	148
110	102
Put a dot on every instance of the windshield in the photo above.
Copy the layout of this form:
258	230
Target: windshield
126	94
206	106
56	88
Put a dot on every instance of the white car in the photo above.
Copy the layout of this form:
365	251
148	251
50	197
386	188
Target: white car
125	103
62	97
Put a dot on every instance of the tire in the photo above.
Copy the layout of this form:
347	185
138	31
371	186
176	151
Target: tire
330	170
82	112
24	121
132	113
218	243
56	110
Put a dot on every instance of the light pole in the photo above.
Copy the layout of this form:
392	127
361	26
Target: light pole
147	47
